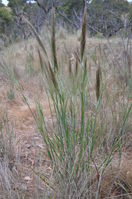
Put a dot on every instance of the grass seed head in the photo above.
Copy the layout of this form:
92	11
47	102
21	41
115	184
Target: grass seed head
76	67
52	77
41	61
53	42
70	67
83	34
85	65
98	82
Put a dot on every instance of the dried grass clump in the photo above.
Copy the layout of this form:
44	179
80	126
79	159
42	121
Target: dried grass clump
11	185
116	184
7	144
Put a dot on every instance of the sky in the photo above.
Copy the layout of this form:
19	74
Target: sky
6	2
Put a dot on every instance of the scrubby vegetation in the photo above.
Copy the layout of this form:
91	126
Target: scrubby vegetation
104	17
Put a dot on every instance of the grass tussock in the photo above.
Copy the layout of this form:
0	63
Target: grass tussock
11	185
86	132
89	124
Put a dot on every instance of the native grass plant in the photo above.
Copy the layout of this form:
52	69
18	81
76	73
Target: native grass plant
30	69
10	76
84	136
30	64
10	181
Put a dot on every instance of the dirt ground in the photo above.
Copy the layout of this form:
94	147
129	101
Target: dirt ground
29	144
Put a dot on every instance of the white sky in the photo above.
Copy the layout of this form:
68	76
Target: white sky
6	2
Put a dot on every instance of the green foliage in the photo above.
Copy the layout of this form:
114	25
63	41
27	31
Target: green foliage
14	3
99	35
5	14
10	94
70	5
